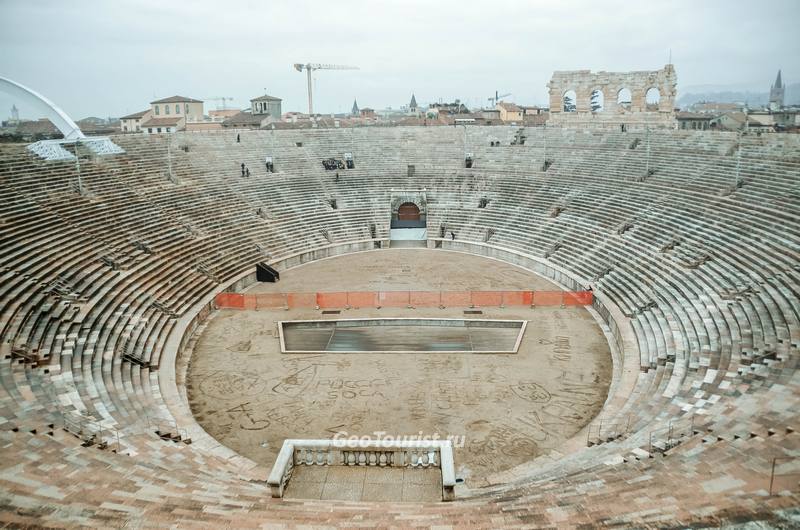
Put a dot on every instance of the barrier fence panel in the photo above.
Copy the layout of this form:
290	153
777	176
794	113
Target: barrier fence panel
486	298
513	298
362	298
332	300
374	299
301	300
230	300
250	302
578	297
456	298
425	298
394	298
270	301
547	298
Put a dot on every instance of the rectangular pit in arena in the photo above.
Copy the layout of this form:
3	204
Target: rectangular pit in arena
401	335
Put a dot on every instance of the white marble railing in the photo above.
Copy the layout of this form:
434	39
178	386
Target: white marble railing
91	431
379	453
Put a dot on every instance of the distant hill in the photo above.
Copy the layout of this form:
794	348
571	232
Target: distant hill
793	94
733	95
753	99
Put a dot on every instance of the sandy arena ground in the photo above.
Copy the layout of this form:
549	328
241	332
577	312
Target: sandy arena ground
510	408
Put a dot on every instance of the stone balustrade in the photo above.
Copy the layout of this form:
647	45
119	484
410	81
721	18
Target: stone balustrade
362	452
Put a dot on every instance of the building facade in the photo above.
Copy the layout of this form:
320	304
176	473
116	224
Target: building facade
694	121
266	105
171	114
132	123
509	112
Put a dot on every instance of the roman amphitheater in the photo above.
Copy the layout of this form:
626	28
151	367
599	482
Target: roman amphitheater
601	326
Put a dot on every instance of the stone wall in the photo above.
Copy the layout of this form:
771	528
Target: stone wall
418	197
613	115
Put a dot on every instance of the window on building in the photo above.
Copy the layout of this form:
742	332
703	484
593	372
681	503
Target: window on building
569	100
186	108
597	100
150	130
166	109
157	112
158	129
652	98
177	109
624	98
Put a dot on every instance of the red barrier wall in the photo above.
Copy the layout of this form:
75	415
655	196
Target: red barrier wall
578	298
517	297
230	300
547	297
362	298
270	301
456	298
394	298
332	300
425	298
487	298
300	300
342	299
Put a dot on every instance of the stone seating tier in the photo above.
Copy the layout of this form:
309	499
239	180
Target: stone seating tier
699	259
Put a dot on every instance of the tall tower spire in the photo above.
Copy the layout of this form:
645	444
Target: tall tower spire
776	93
412	106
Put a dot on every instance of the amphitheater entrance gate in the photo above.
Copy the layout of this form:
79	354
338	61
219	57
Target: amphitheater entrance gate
408	211
409	219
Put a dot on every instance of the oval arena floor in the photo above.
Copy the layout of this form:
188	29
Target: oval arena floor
109	322
510	408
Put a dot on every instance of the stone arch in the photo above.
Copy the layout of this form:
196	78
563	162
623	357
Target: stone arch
408	211
624	98
652	99
569	101
597	100
412	205
58	117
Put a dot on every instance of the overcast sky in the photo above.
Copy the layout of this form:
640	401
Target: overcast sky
110	58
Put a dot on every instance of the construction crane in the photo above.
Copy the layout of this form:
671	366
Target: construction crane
316	66
223	100
497	97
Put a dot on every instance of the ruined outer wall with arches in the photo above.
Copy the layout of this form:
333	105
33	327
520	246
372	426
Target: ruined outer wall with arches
613	99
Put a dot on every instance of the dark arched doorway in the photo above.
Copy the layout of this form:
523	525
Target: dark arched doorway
408	211
409	221
408	215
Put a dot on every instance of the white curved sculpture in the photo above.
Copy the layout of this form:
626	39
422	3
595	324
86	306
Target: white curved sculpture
64	123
